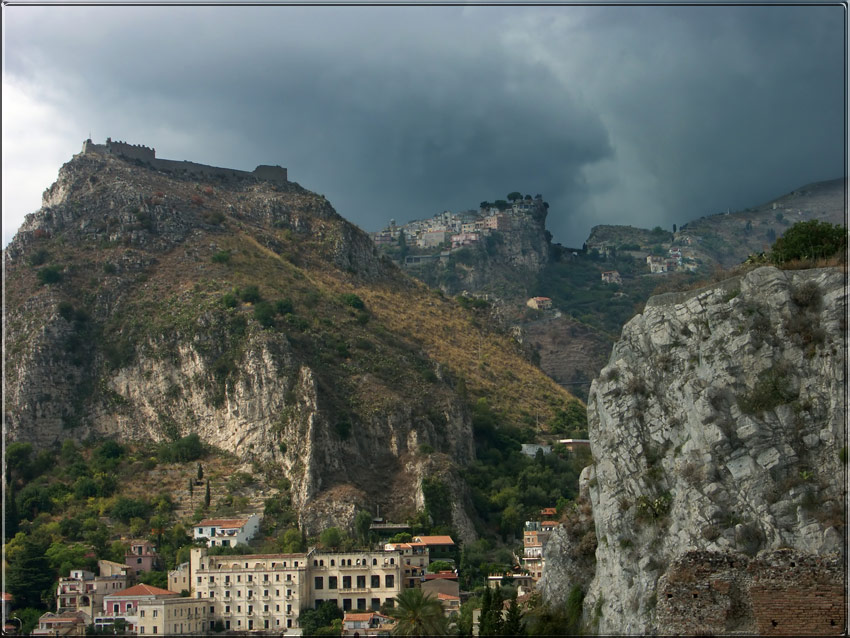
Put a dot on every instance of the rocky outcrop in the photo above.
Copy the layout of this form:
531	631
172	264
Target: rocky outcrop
128	336
717	425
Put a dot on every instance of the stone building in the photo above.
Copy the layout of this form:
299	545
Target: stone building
268	591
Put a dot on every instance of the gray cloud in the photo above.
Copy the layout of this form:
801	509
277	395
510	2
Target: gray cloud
642	115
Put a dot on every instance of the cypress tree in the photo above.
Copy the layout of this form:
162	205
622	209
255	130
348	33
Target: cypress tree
207	494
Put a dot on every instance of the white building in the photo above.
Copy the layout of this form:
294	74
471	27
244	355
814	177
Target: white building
227	531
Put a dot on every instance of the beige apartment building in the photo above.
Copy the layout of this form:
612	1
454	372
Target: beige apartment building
268	591
173	617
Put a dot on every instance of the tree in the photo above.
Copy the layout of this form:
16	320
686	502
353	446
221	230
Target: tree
28	575
362	523
317	621
331	537
200	472
491	615
418	615
810	240
207	495
514	196
513	625
403	248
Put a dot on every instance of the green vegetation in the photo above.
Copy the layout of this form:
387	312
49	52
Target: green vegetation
808	241
325	620
418	615
773	387
49	275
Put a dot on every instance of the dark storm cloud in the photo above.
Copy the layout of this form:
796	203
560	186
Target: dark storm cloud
639	115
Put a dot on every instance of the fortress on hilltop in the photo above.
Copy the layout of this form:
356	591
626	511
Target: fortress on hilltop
274	174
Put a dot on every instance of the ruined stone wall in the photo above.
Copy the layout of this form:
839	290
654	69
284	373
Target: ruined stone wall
780	593
274	174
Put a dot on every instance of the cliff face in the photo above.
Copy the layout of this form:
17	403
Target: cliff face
718	426
145	305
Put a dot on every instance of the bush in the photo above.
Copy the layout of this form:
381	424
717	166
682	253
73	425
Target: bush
127	508
284	306
350	299
221	257
49	275
773	388
229	300
250	294
188	448
264	313
810	240
39	257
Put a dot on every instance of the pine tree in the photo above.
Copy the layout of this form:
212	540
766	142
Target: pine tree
513	625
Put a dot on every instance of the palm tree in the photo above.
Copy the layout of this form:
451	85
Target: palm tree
418	615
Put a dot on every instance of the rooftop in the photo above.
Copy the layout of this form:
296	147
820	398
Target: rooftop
144	590
225	523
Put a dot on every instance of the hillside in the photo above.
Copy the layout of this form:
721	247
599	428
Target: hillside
145	304
727	239
716	498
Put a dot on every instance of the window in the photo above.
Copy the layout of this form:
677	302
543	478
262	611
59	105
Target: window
212	579
199	580
250	624
332	562
142	613
277	607
250	577
332	582
138	561
238	578
227	609
319	583
154	629
361	603
227	579
289	609
227	624
265	592
277	578
361	582
141	630
289	622
250	609
346	604
265	624
115	608
346	582
319	602
389	580
376	581
265	608
374	561
155	613
227	593
376	604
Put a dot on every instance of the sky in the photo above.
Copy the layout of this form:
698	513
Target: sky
641	115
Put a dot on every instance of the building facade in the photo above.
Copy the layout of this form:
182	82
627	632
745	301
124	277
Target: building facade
227	532
268	591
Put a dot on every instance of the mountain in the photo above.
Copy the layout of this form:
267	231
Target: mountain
716	502
727	239
148	299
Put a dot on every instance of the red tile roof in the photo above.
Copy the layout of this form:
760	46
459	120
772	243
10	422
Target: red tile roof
435	540
443	596
144	590
447	575
353	617
7	596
